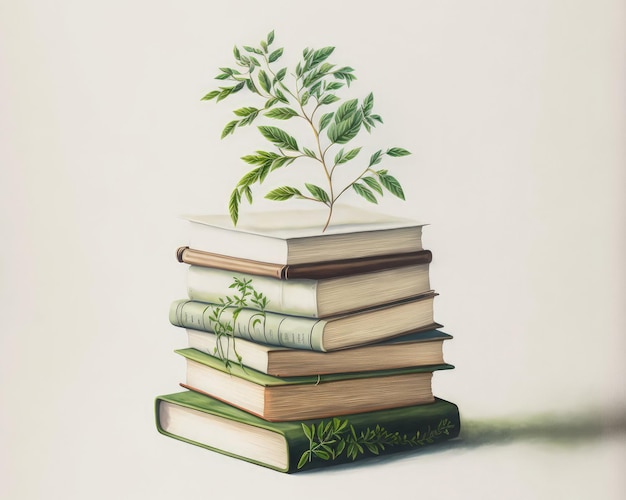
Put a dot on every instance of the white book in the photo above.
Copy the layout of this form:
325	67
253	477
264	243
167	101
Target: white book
315	298
296	237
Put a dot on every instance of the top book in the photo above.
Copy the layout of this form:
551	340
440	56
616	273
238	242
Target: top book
295	236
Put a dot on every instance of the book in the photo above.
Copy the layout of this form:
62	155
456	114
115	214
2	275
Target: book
299	332
290	446
314	298
415	349
313	270
301	398
296	237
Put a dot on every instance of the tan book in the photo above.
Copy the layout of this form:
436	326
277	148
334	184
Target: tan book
302	398
414	349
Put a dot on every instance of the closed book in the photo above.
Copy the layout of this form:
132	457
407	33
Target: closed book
315	298
313	270
300	398
296	237
296	446
300	332
415	349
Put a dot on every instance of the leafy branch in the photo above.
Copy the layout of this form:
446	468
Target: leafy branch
247	297
302	94
329	440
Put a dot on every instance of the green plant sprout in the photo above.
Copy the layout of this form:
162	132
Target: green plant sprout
328	440
302	95
248	298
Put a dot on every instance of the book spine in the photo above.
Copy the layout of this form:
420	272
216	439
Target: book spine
296	297
269	328
205	259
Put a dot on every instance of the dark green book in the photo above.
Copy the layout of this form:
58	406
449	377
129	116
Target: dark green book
295	446
307	397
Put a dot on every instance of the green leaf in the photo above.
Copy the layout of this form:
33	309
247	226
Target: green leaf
309	153
282	193
318	193
245	111
322	454
281	161
275	55
281	97
346	130
373	183
249	119
270	37
263	44
306	431
222	76
345	73
264	80
320	55
325	120
229	128
368	103
281	74
282	113
334	86
279	137
392	185
236	53
351	154
376	157
329	99
211	95
364	192
304	459
345	110
252	50
233	206
340	447
248	192
398	152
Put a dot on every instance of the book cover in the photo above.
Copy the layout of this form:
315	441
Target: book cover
297	446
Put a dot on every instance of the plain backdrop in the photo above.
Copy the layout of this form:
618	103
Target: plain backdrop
515	114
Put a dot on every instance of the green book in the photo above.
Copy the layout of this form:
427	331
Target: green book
307	397
295	446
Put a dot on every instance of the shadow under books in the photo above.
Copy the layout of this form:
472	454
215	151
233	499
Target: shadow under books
558	430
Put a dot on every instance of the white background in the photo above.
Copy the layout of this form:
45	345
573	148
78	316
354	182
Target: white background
515	114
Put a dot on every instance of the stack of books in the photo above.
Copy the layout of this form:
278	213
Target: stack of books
307	349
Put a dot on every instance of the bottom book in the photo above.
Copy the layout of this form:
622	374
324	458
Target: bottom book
295	446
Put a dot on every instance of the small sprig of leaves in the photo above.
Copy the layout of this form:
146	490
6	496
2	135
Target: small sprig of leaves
329	440
247	297
302	94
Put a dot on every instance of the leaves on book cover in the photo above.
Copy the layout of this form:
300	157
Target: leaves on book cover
328	440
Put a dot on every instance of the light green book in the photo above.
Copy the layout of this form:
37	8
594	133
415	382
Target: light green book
300	398
295	446
300	332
